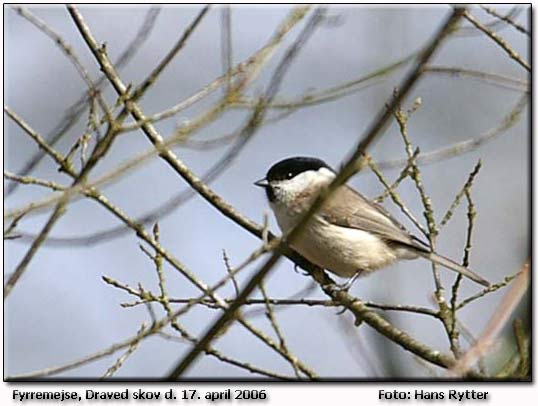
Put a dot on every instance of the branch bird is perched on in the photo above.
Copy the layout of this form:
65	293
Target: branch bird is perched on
349	236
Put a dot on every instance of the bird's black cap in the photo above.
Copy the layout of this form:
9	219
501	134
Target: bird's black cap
290	167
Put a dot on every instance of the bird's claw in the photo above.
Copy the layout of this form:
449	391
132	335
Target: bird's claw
339	312
297	270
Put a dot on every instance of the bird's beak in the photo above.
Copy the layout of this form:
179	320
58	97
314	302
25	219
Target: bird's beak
262	183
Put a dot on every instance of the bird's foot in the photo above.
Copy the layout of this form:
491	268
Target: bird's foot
344	287
297	269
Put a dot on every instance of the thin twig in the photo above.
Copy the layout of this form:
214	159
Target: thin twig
349	168
67	49
244	134
495	324
147	296
498	40
165	302
404	173
467	145
507	19
29	180
121	360
389	189
226	44
30	253
415	174
160	212
488	290
464	190
495	24
38	139
178	46
506	82
272	320
74	112
230	271
471	214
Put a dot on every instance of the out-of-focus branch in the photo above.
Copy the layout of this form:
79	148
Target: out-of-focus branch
507	19
149	130
495	325
495	24
67	49
347	171
523	349
498	40
121	360
165	302
74	112
505	82
152	77
94	194
467	145
217	169
100	150
226	44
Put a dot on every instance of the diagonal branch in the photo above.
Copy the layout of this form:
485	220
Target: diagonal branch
344	174
498	40
74	112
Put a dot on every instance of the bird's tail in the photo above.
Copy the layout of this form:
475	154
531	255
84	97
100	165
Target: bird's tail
453	266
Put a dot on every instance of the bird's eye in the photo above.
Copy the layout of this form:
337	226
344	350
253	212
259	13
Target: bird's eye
289	175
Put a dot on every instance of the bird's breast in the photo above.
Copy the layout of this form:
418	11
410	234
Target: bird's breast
341	250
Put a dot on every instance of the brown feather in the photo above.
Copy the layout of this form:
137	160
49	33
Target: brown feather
348	208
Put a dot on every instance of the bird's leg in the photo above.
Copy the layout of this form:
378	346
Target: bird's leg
345	286
297	270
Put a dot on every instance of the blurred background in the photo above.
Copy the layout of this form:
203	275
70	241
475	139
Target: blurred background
62	310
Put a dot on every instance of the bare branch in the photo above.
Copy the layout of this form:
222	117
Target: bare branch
226	44
67	49
505	82
495	325
495	24
498	40
121	360
29	180
74	112
492	288
344	174
152	77
507	19
467	145
272	320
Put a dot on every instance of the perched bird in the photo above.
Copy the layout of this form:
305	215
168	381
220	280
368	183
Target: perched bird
350	235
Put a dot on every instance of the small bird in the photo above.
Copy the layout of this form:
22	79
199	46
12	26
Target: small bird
350	235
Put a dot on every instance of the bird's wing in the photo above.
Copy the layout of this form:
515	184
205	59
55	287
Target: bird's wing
348	208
